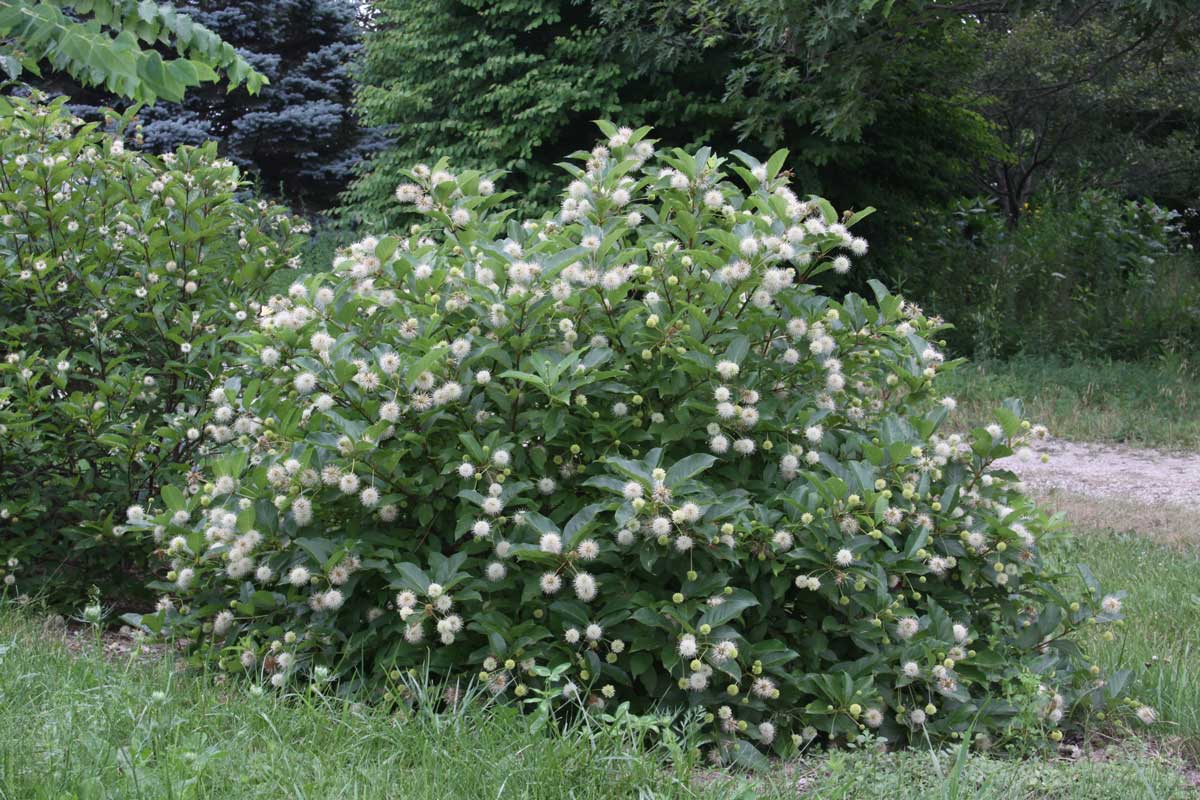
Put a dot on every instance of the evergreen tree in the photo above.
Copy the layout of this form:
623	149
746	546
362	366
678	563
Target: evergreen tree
298	135
510	84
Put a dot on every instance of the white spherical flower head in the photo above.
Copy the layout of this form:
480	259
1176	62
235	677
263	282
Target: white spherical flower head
593	632
496	571
571	635
332	600
728	370
907	627
911	669
585	587
960	633
466	470
435	590
588	549
492	505
305	382
550	543
844	557
481	529
550	583
632	490
501	458
298	576
688	647
1111	604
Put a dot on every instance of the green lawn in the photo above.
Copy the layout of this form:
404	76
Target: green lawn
79	726
1153	403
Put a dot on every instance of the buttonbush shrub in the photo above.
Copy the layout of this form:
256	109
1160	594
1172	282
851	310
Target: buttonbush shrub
121	275
625	453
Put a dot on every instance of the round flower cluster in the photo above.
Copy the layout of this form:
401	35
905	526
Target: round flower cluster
626	451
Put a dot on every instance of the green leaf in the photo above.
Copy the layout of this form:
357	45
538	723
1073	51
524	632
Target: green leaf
732	605
688	467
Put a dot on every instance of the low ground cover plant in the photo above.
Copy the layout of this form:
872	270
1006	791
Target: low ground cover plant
628	452
121	274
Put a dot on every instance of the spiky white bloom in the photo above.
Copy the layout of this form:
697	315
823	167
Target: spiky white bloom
298	576
305	382
844	557
550	543
687	646
585	587
550	583
728	370
907	627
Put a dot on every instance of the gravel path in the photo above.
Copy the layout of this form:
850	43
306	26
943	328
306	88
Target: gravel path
1112	472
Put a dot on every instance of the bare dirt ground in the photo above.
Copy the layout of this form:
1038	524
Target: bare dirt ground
1117	487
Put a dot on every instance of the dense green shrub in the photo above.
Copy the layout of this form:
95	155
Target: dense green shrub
1092	276
121	277
625	452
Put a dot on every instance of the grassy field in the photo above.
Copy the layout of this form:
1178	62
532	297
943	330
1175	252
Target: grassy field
1154	403
81	726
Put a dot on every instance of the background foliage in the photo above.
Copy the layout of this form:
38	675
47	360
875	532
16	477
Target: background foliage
912	106
297	136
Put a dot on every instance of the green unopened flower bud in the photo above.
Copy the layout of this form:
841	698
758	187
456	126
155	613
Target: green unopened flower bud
677	597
